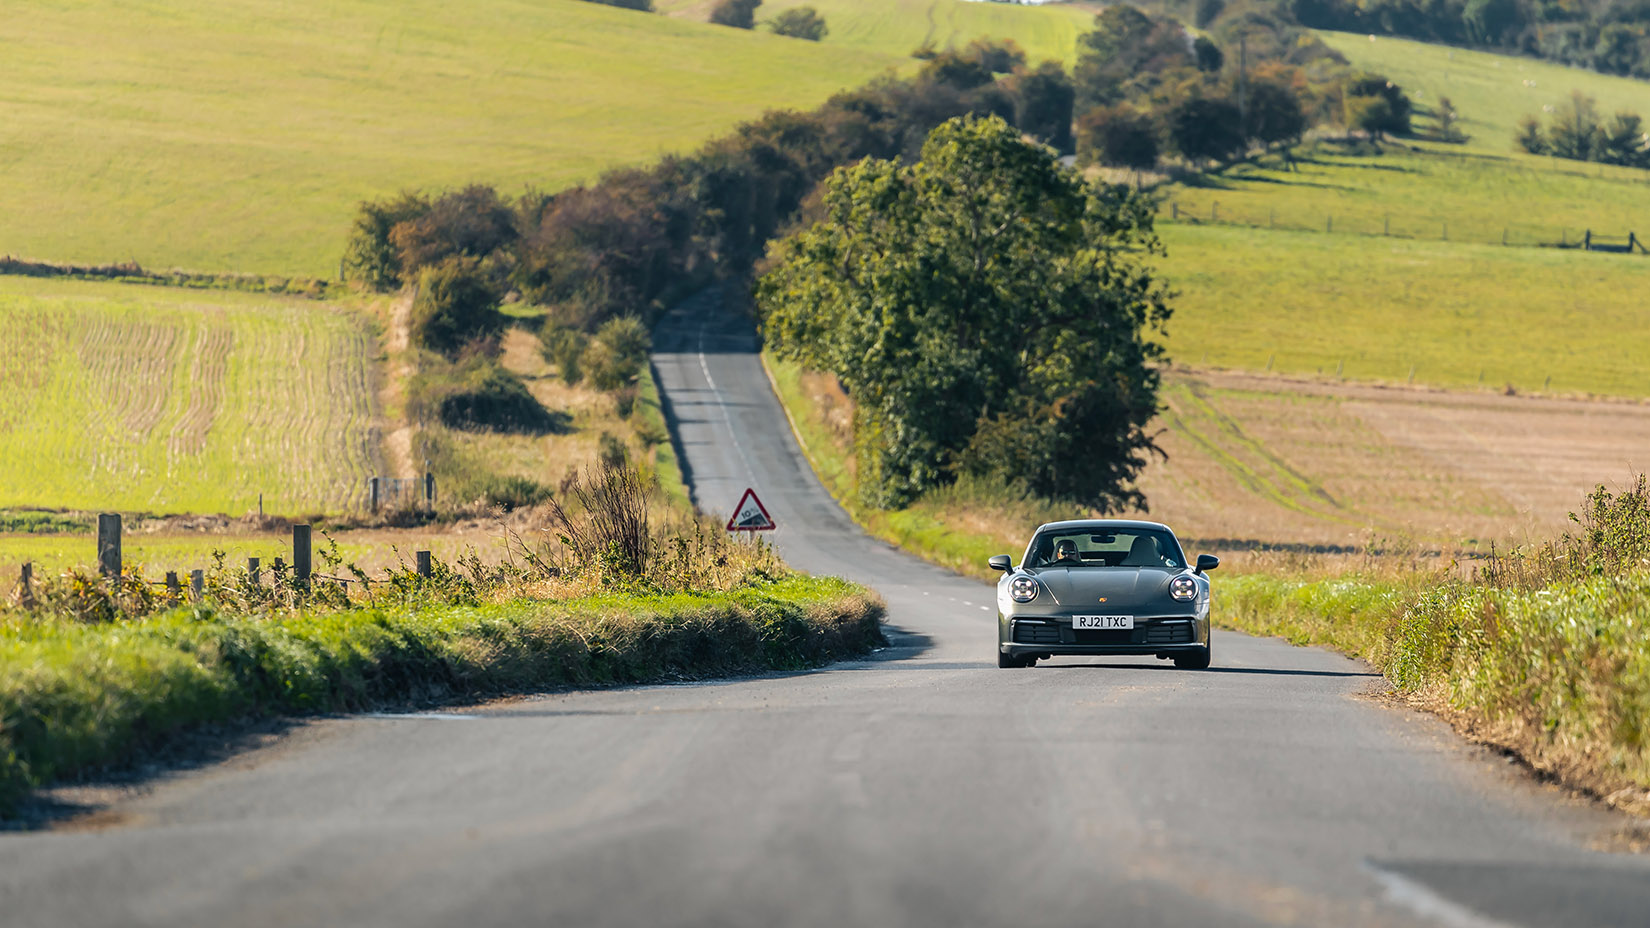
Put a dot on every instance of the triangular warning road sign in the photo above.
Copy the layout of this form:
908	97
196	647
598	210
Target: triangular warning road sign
751	515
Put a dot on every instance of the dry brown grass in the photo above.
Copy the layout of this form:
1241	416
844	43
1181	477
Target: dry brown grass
1337	468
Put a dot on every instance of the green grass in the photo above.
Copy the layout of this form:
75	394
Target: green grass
239	137
1460	315
1376	266
1561	674
897	27
141	398
1487	89
1430	193
74	697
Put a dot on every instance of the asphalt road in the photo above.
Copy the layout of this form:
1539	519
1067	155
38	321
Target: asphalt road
921	787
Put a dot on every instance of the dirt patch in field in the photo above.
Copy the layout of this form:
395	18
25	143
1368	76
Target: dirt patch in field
1259	461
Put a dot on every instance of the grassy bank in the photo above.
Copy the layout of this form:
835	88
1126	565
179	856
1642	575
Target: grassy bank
78	697
1546	653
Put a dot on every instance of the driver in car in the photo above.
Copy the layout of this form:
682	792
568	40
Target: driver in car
1065	552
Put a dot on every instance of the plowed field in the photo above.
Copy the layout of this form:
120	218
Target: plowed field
142	398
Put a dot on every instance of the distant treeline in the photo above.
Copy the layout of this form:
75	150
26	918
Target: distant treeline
1612	36
640	238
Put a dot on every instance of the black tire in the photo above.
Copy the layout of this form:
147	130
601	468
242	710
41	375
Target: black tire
1006	662
1194	660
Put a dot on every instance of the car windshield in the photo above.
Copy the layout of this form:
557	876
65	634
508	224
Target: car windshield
1132	547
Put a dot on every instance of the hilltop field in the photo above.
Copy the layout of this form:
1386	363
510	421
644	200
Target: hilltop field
240	137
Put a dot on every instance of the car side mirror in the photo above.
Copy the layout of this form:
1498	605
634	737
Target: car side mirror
1001	562
1206	562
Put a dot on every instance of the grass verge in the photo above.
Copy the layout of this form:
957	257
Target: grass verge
1545	653
78	697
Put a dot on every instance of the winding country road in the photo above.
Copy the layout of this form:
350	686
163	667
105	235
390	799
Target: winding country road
923	786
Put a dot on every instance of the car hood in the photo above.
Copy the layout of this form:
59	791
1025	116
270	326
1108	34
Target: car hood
1074	587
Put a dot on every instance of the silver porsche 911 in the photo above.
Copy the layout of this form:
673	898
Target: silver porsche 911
1103	586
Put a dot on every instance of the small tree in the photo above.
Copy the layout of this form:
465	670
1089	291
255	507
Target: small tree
800	22
616	355
1274	113
740	14
1120	136
1447	117
1530	136
1377	106
1205	129
1576	132
456	305
1043	100
1622	142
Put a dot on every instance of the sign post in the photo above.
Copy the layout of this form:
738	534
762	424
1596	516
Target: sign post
750	515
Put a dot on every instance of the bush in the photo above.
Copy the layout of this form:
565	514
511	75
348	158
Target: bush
473	222
800	22
483	396
1119	136
740	14
562	347
506	492
456	305
616	355
369	256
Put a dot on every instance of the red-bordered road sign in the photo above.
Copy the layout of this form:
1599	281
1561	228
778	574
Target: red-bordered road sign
750	515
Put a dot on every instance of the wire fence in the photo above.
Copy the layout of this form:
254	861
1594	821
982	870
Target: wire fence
1402	226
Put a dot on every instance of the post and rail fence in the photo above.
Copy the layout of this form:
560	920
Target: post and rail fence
111	567
1396	225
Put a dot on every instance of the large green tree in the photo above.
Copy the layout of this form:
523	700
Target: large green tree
987	311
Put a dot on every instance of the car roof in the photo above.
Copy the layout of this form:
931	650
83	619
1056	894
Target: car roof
1091	524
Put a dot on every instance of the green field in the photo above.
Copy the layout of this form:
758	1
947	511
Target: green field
1390	266
239	137
131	397
1460	315
1488	90
897	27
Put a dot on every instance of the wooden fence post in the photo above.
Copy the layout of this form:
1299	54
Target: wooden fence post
173	588
1174	210
197	583
252	569
300	555
25	583
372	492
1587	240
108	544
429	489
423	560
1214	211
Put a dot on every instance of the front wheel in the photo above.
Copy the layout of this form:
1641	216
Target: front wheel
1006	661
1194	660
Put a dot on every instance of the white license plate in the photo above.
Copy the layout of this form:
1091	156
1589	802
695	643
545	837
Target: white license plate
1102	621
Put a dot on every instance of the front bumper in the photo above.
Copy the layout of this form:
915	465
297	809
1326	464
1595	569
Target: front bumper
1054	635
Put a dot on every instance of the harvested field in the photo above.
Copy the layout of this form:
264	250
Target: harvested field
127	397
1269	461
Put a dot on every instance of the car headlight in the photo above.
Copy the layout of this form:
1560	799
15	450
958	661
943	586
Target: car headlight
1023	589
1183	589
